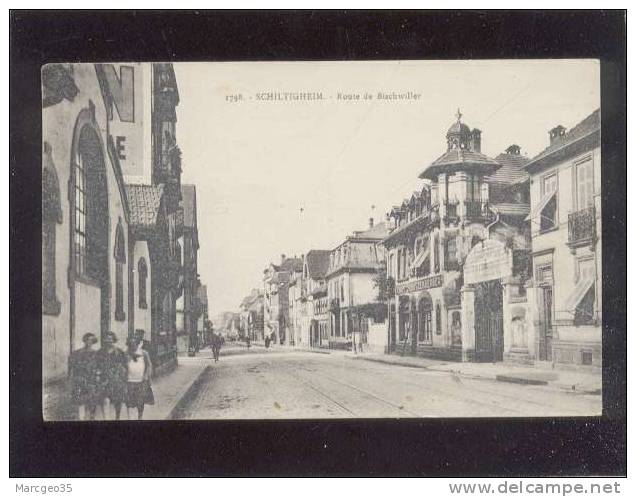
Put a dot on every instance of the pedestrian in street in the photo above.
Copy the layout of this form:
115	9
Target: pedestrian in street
138	387
249	342
216	346
267	340
83	378
113	368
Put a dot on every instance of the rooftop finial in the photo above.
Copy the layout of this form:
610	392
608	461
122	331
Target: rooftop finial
458	115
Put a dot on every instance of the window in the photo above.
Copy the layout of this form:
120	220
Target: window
79	235
51	216
450	255
120	260
438	319
142	275
549	210
436	252
425	331
584	185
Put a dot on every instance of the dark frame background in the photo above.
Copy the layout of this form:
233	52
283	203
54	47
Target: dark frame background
442	447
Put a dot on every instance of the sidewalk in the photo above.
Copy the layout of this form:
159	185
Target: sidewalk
168	389
571	381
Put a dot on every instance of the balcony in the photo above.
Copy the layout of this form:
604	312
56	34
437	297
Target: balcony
476	209
582	227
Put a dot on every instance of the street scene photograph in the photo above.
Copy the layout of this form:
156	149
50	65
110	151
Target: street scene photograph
321	240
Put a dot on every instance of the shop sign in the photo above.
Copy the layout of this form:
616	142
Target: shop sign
488	260
419	285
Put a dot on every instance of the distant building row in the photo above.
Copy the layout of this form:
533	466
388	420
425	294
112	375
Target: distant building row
492	260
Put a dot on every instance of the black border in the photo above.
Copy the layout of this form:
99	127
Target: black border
494	447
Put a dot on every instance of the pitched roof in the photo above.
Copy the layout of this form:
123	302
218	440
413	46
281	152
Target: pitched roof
292	264
317	263
144	202
591	124
511	170
189	202
459	159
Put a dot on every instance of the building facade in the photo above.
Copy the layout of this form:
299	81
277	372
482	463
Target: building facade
457	255
316	330
276	279
142	99
204	325
566	245
352	289
111	208
187	305
86	243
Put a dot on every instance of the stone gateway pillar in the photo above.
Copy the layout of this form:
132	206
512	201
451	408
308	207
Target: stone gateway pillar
468	322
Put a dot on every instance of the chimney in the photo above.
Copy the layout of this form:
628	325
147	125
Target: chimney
556	134
476	134
370	222
282	258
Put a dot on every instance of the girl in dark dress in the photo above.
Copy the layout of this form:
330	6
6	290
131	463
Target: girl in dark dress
83	378
113	371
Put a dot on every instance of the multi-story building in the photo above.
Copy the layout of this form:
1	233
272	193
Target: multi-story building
87	257
203	322
251	313
352	288
187	307
276	280
566	245
315	332
142	101
457	255
109	129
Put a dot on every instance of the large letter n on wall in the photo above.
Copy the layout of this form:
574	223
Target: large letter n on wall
122	90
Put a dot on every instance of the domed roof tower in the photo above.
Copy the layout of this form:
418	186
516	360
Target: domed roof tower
463	153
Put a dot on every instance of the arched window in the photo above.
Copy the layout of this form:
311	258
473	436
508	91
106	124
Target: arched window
120	260
51	216
142	274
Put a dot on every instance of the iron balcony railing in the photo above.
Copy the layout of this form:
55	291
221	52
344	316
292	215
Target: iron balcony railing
582	226
475	209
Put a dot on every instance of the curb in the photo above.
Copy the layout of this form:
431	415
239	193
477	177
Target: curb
186	392
569	388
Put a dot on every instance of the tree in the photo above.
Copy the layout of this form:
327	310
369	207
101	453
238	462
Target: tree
381	282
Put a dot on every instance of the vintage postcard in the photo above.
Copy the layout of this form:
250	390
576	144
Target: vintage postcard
319	240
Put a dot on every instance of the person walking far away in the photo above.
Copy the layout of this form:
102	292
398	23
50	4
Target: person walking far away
216	346
83	378
138	388
113	368
249	342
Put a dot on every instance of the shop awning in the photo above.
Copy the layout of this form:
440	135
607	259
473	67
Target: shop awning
420	258
578	293
541	205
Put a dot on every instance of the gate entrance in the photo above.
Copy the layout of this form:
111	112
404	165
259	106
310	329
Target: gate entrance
489	321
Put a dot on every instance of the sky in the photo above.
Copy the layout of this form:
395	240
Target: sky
285	177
